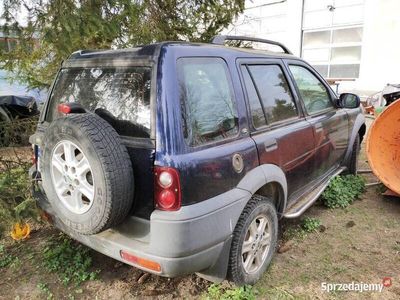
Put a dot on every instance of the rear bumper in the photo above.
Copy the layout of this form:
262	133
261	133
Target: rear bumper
190	240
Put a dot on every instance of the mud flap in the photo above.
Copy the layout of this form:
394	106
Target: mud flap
217	272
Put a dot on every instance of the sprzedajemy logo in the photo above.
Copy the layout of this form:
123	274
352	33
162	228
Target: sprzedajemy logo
356	286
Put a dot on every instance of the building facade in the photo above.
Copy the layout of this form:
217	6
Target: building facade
354	41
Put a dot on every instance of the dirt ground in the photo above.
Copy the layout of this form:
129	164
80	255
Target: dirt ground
358	244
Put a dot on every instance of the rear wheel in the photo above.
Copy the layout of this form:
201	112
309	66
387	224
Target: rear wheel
254	241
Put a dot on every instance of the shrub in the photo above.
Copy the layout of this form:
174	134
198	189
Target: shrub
17	132
310	224
16	202
343	190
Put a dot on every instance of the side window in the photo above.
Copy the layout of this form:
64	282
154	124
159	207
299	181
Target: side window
273	90
257	113
208	108
314	94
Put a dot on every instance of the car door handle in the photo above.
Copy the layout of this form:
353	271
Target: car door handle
271	145
318	127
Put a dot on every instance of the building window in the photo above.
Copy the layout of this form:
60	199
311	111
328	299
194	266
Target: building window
334	53
332	36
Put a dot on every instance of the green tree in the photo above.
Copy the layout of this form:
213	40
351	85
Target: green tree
56	28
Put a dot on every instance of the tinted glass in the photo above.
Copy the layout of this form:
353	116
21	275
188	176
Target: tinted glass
274	92
312	91
208	109
121	96
257	113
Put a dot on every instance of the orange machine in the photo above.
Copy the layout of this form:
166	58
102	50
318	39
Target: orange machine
383	147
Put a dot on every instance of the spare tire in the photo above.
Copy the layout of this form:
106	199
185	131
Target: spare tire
87	173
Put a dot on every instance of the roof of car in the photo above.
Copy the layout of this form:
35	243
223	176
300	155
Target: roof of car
186	48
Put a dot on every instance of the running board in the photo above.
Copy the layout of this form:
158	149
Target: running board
300	206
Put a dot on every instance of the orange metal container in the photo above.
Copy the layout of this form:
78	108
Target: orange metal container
383	147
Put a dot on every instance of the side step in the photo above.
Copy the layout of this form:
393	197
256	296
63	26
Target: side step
301	205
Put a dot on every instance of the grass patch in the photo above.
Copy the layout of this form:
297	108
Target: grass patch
300	231
294	232
8	260
343	190
217	292
69	259
279	293
45	290
310	224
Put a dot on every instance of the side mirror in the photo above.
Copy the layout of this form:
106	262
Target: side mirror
349	100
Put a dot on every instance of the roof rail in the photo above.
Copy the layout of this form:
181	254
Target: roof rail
220	40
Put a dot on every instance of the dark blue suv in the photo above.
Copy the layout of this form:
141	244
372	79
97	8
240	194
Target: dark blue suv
179	157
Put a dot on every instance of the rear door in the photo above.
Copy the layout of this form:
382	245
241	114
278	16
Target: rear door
278	126
330	123
216	150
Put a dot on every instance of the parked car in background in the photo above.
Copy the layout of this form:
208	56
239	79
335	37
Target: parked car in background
179	157
17	107
17	89
17	102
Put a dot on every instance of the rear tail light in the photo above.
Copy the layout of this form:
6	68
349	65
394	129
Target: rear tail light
64	108
167	188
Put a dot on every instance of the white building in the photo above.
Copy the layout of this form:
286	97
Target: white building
345	39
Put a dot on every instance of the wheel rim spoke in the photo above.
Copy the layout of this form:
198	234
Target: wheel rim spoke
86	189
262	225
64	189
58	163
265	240
82	167
76	199
247	247
259	258
253	229
69	152
249	261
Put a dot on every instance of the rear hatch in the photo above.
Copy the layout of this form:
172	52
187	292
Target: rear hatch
121	95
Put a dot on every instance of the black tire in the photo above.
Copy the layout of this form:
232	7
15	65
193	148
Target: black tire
258	205
111	168
352	168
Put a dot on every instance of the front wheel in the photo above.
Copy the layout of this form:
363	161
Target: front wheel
353	164
254	241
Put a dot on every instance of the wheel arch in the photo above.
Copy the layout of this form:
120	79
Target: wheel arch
267	180
359	128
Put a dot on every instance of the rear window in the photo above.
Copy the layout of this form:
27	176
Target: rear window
121	96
